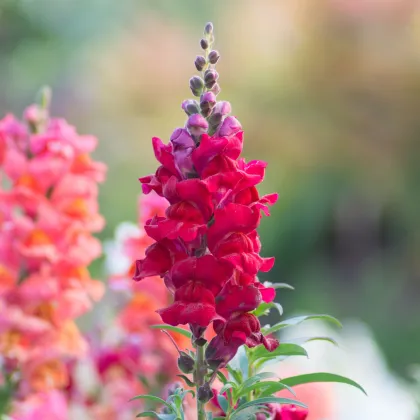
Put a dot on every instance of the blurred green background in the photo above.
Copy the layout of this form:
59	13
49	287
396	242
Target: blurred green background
328	92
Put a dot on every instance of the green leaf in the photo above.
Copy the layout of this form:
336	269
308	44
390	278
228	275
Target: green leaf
299	319
266	388
236	374
320	377
187	380
267	400
157	415
228	385
275	387
264	308
284	349
209	415
222	377
279	285
152	398
185	333
256	378
303	340
223	402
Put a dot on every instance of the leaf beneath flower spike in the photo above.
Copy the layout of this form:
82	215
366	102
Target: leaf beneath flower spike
185	333
264	308
320	377
266	388
284	349
278	285
299	319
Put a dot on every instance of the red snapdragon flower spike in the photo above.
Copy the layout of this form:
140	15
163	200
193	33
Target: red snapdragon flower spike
207	248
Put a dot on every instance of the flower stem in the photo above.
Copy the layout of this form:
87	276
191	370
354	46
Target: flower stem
200	373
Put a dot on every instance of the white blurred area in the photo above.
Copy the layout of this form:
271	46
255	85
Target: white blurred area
357	357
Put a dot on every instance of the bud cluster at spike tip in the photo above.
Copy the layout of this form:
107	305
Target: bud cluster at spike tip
207	246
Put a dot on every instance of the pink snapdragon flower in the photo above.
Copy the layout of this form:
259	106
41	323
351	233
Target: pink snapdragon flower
47	216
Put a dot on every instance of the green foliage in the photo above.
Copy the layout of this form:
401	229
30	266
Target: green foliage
320	377
166	327
264	308
172	407
299	319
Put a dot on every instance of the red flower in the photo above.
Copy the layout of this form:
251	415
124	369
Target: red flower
241	328
159	258
207	247
194	304
168	168
289	412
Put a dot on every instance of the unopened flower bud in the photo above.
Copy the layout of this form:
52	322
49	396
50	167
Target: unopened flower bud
214	121
208	29
210	78
190	106
200	62
229	127
222	107
186	363
207	101
204	393
197	125
214	57
204	44
216	89
196	85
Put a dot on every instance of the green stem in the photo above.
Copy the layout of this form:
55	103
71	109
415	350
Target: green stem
200	372
250	374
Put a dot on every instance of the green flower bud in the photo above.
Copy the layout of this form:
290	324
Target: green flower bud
210	78
191	107
196	85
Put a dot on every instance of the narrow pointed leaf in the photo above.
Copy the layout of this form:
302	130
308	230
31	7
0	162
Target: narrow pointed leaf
185	333
187	380
266	388
152	398
276	387
299	319
279	285
265	308
302	340
256	378
284	349
320	377
222	377
226	386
